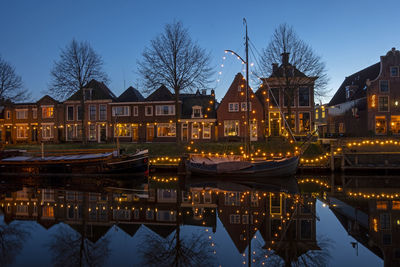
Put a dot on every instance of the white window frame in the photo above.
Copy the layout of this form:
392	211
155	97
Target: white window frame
92	132
160	110
25	130
145	111
309	97
123	125
135	111
197	108
237	126
73	113
95	112
126	111
51	126
233	107
23	111
47	106
243	106
206	125
394	67
105	118
172	127
196	134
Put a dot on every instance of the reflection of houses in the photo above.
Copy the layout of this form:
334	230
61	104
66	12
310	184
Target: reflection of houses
287	89
367	102
231	113
370	212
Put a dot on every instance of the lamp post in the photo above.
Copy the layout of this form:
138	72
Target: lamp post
246	62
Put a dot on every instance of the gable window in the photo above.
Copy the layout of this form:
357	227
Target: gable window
383	103
233	107
394	71
103	112
195	130
380	125
166	130
47	111
70	113
196	112
206	130
244	106
120	111
231	128
148	110
165	110
135	111
21	114
384	86
274	97
304	97
92	112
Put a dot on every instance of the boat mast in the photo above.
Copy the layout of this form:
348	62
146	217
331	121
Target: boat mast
248	130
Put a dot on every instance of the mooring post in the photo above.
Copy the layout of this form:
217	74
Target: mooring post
42	148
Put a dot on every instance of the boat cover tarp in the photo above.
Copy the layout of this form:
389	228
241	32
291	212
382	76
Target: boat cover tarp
231	166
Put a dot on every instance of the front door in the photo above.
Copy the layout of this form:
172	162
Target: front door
253	130
34	134
103	133
185	132
149	133
8	135
274	124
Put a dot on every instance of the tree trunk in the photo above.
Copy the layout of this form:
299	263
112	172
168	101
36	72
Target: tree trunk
177	117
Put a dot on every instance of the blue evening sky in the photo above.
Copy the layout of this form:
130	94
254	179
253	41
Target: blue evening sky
348	35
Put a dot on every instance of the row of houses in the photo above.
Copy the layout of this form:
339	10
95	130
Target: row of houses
131	117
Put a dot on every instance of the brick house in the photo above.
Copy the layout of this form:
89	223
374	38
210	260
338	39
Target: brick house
231	113
274	92
367	102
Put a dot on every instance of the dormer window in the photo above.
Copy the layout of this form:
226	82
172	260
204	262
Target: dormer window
196	112
87	94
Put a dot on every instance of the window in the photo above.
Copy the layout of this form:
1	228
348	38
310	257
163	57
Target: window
275	202
79	132
8	114
341	128
233	107
384	86
166	216
135	111
383	104
304	122
22	210
166	130
231	128
48	211
243	106
381	205
166	195
47	131
234	218
196	112
323	112
232	199
92	132
286	100
380	125
21	114
103	112
149	214
47	111
245	219
304	97
92	112
34	113
87	94
206	130
394	71
120	111
148	110
70	113
70	132
385	221
195	130
395	124
395	205
163	110
291	122
79	113
253	130
122	130
207	197
22	131
317	114
305	231
274	97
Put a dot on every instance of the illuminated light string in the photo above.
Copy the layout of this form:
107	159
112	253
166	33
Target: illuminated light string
372	142
374	195
314	181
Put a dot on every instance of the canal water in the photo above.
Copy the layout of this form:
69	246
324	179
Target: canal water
164	219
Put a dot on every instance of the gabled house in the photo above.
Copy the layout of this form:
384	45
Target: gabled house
96	97
287	90
367	102
231	113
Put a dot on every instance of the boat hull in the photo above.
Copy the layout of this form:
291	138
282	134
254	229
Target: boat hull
272	168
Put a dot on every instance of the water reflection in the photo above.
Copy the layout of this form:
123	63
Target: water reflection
269	223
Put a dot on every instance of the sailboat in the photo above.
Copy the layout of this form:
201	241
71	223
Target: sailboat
242	165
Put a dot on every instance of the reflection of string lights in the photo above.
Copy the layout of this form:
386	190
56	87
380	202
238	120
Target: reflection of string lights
314	181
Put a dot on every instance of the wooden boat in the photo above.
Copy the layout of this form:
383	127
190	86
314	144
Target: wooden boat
238	166
98	163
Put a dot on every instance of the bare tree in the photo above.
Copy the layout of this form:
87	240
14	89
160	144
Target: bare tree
12	239
11	87
78	64
175	60
299	65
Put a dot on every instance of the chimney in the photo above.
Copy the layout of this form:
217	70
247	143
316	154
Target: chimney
203	91
285	58
274	67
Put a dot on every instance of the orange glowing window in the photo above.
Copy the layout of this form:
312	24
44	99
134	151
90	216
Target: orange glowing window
48	212
47	112
381	205
395	205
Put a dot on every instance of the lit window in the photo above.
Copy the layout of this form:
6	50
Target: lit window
195	131
253	130
244	106
395	124
47	112
122	130
304	122
316	114
22	132
231	128
381	205
48	212
47	131
166	130
92	132
341	128
384	86
292	121
206	131
395	205
380	125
